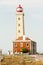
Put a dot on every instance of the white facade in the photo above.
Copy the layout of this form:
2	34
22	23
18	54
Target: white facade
19	24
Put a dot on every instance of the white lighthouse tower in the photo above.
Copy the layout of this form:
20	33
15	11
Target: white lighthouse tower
19	22
21	40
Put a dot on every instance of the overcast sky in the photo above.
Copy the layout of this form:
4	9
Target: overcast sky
33	22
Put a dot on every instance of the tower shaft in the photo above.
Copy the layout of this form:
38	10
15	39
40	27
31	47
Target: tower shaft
19	24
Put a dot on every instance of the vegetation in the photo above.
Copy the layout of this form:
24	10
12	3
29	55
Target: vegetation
25	50
19	60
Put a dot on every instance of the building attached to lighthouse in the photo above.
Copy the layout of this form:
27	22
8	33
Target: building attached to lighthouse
21	41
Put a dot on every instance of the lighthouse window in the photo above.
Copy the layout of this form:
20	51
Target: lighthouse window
19	31
18	24
19	18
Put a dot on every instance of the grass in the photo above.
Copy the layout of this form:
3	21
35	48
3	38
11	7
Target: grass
19	60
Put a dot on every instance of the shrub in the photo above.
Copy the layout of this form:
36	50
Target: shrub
25	50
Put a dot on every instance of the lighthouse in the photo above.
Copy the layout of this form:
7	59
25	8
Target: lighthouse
21	40
19	22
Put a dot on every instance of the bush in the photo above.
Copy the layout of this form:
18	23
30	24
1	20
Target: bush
25	50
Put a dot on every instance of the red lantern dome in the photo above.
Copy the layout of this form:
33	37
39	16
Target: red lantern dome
19	9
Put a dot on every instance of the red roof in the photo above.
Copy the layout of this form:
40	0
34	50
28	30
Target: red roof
21	38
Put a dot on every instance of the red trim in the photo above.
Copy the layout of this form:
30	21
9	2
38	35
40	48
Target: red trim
19	10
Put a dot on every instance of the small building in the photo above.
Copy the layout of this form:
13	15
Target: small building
24	42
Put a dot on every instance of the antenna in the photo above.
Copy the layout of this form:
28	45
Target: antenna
20	1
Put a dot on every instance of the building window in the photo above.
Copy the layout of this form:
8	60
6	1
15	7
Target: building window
15	45
19	31
27	44
19	18
18	24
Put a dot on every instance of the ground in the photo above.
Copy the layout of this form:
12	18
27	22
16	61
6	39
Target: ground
20	60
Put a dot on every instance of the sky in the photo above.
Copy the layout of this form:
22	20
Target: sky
33	22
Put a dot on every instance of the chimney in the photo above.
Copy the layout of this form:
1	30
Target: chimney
23	37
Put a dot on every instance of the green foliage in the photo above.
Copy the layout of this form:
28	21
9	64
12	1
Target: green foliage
25	50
